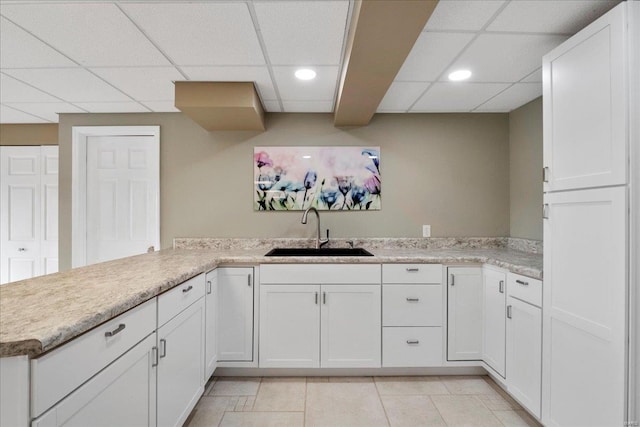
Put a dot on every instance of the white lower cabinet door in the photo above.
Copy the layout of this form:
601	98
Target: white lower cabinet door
235	305
494	320
211	323
464	301
524	353
350	326
181	365
289	326
123	394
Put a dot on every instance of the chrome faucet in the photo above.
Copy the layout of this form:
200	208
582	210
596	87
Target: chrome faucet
319	242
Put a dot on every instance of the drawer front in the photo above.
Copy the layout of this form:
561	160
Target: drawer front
59	372
320	274
412	273
525	289
411	347
172	302
411	305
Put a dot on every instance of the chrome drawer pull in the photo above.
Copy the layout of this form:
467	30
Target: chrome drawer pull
413	270
187	289
522	282
163	348
209	288
501	287
117	330
413	342
508	312
413	299
316	298
154	356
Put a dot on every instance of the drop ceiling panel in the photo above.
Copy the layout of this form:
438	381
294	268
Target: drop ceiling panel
12	90
322	88
161	106
148	84
535	77
308	106
401	95
303	32
9	115
69	84
271	106
19	49
112	107
505	58
47	110
444	97
431	54
200	33
462	14
515	96
259	75
92	34
543	16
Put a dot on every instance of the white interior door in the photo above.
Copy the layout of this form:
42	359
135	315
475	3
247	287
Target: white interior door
122	201
28	212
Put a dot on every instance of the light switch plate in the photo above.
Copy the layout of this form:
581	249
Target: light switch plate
426	231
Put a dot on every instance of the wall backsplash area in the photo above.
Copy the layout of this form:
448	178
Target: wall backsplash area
447	170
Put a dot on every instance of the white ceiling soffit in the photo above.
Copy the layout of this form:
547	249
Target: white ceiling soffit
123	55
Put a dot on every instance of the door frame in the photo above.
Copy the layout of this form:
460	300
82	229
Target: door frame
79	137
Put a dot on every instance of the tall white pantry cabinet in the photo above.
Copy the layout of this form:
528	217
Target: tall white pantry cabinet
591	114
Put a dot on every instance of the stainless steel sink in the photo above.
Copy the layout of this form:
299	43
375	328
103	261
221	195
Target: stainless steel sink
318	252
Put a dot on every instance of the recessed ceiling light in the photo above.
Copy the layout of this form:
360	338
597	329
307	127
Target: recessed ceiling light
458	75
305	74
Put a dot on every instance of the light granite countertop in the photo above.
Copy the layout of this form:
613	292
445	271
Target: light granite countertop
39	314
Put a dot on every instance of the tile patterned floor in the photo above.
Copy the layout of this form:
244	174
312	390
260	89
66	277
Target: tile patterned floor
357	401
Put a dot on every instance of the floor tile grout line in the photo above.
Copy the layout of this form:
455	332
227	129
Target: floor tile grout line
384	409
438	410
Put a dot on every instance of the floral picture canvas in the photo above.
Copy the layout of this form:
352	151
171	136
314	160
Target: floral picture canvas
327	178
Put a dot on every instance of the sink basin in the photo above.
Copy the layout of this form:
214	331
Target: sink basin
318	252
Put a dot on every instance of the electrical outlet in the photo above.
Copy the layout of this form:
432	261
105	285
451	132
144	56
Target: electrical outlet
426	231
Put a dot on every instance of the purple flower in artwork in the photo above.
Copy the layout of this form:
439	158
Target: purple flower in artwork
374	156
372	184
262	159
310	179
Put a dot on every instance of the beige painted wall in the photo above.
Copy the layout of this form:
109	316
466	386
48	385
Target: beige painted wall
447	170
29	134
525	165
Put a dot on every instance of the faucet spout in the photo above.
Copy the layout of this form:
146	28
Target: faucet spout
319	242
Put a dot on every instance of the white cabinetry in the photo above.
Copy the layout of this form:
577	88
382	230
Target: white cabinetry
524	341
181	352
464	302
411	315
211	323
318	318
235	306
122	394
494	320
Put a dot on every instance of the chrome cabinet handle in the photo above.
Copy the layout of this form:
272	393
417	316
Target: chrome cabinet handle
187	289
501	287
545	211
545	174
249	280
163	348
413	342
324	297
508	312
316	298
208	286
413	299
522	282
453	280
154	356
22	249
117	330
413	270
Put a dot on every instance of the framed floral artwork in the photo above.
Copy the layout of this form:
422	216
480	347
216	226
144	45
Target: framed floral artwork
327	178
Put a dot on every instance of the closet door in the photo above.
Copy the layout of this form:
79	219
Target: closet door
49	219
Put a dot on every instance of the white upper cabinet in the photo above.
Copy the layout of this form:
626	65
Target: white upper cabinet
585	116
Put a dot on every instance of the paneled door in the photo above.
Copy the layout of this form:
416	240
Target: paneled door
29	212
122	196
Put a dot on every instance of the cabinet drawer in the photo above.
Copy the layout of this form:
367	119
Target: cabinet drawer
411	305
411	347
316	274
525	289
59	372
411	273
172	302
